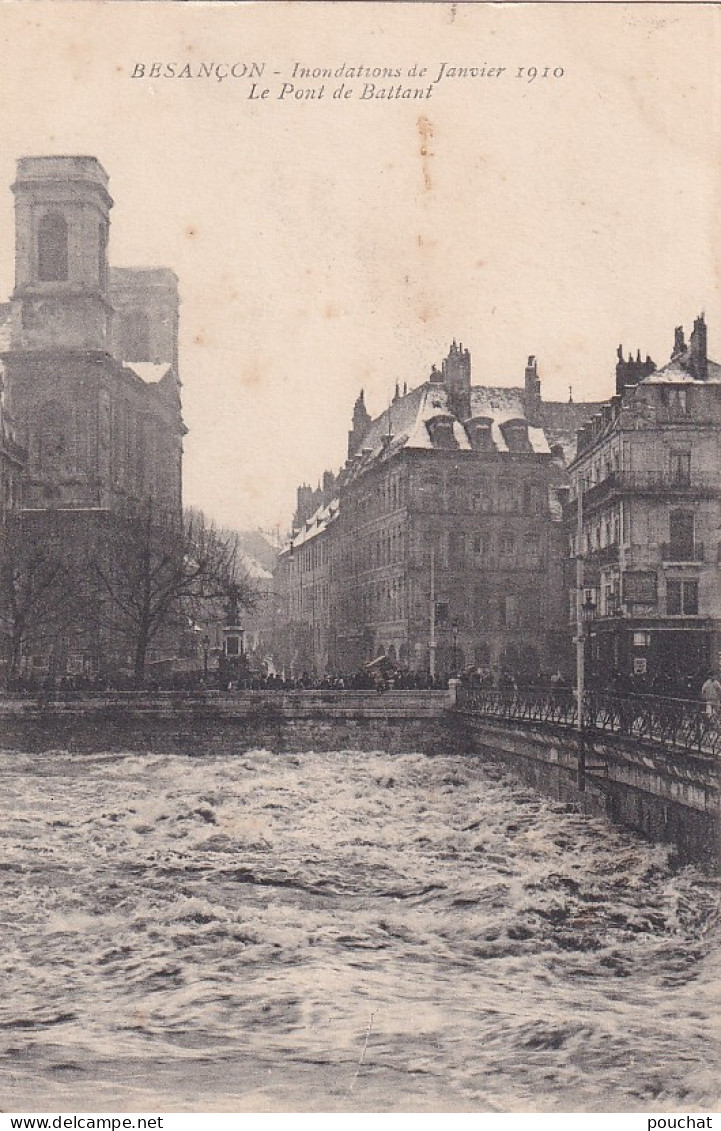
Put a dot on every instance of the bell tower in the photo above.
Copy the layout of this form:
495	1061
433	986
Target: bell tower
62	209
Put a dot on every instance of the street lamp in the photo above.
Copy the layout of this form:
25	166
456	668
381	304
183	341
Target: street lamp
588	609
454	629
588	615
206	645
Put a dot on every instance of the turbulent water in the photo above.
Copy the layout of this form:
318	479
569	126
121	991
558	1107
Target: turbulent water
325	931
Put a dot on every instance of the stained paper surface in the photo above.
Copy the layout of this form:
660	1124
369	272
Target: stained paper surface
343	189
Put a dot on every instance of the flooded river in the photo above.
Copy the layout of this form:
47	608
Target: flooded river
340	931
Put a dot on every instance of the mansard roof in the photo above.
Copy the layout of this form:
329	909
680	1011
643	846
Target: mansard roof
405	423
676	371
318	522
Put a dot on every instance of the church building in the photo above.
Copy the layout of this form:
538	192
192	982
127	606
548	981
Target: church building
90	363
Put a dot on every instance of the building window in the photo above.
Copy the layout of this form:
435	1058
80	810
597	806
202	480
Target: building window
681	597
53	248
681	536
480	606
678	403
532	546
507	544
681	468
480	501
509	612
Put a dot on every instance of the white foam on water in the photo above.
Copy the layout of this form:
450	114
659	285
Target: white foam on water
179	929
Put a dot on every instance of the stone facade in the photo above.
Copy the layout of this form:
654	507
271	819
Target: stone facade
649	473
89	359
101	429
441	547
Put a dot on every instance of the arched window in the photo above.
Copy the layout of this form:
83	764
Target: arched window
53	248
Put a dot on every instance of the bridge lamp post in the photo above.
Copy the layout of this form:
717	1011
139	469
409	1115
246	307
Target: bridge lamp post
586	613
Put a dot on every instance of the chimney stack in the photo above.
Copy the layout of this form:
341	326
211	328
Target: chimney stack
697	350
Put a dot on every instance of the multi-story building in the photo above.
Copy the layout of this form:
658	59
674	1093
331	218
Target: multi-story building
89	362
302	602
649	476
443	546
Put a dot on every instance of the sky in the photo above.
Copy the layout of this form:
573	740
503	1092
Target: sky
326	244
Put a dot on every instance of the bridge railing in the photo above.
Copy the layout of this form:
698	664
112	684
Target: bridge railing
680	723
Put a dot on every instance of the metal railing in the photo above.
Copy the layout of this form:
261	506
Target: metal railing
648	482
682	724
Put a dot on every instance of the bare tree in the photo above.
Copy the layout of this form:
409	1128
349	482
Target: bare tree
39	582
152	571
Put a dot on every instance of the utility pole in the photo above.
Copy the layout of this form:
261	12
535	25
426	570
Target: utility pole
580	639
432	642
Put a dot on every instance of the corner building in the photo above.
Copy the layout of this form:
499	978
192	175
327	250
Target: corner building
649	479
446	531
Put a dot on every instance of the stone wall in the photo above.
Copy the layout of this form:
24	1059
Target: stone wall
670	797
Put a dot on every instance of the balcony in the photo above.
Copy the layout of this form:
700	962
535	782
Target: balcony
604	555
653	482
671	552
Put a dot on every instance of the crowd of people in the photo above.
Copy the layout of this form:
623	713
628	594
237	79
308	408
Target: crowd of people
705	688
362	680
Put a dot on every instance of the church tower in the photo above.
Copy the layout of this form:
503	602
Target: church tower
59	375
62	208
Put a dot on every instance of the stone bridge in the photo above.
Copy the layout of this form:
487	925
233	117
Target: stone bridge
649	763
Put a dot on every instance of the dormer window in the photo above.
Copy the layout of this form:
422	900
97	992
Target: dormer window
479	434
440	429
515	433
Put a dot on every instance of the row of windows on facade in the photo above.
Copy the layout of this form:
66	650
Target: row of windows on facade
452	491
451	549
455	548
482	610
606	532
677	472
682	599
314	597
133	441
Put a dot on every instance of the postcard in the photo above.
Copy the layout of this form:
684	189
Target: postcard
337	339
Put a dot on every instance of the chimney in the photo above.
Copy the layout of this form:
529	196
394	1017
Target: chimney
532	395
679	343
456	375
697	350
